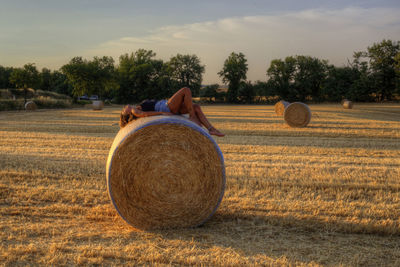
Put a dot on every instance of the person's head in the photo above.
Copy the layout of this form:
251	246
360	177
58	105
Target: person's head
126	116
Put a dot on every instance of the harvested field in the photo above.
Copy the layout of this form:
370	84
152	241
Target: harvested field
327	194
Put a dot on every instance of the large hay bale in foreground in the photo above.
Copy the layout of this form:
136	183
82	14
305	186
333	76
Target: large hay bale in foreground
30	105
97	105
347	104
280	107
165	172
297	114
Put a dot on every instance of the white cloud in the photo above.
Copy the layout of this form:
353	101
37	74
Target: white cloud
326	34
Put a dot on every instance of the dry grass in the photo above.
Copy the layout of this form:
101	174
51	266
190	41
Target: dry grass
327	194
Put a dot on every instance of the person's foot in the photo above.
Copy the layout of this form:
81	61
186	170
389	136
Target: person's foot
214	131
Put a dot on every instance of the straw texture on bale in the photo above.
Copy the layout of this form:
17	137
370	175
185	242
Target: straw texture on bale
165	172
280	107
297	114
347	104
97	105
30	105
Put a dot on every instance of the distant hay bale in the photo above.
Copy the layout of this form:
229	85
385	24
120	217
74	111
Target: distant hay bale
347	104
97	105
30	105
297	114
165	172
280	107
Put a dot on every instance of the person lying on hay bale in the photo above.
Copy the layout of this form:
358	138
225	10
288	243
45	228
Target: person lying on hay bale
180	103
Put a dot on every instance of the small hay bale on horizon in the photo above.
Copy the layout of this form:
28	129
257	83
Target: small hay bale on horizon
280	107
97	105
165	172
30	106
297	114
347	104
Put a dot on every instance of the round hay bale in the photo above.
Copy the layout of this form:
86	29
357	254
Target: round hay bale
165	172
97	105
30	105
347	104
297	114
280	107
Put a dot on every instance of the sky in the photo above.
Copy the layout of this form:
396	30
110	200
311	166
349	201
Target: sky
50	33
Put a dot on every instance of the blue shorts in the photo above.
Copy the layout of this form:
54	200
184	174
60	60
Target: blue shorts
162	106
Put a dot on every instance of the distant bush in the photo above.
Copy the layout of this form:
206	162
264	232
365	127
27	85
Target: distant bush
43	99
83	102
54	95
19	93
9	104
5	94
48	102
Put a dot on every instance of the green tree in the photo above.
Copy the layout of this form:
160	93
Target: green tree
281	77
5	73
338	82
234	72
26	77
187	71
141	76
397	69
90	77
382	67
309	77
362	88
59	83
45	79
209	92
247	92
262	91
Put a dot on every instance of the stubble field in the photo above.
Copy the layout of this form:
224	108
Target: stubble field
327	194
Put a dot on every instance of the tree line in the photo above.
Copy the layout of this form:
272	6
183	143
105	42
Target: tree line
371	75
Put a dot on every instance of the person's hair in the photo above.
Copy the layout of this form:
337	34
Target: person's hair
124	118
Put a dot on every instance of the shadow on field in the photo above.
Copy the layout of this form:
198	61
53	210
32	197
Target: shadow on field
306	240
252	121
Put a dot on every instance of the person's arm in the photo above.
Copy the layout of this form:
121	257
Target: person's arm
139	113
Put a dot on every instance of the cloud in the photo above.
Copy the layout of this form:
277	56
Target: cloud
326	34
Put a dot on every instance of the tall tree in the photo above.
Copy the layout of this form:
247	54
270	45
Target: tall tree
309	77
397	69
26	77
362	87
382	64
139	76
247	92
338	82
45	79
234	72
281	77
187	71
5	73
59	83
90	77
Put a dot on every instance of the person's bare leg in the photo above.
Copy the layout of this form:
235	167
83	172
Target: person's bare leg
182	101
204	121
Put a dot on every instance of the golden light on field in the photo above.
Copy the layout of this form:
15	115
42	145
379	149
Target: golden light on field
326	194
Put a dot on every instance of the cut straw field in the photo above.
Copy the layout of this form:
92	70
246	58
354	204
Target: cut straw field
327	194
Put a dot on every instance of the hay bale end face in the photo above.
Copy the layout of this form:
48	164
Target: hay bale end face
280	107
347	104
297	114
165	172
30	105
97	105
